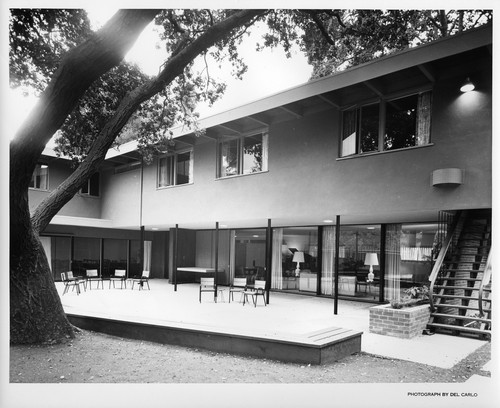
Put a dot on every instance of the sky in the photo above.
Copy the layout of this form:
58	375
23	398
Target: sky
269	71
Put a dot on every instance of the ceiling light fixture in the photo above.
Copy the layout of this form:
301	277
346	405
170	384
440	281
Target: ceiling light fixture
467	86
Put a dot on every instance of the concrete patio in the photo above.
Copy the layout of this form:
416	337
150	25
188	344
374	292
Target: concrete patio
287	314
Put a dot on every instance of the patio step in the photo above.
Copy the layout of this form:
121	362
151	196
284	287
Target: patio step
320	347
459	329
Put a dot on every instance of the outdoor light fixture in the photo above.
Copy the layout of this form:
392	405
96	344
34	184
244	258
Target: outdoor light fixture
298	257
371	259
467	86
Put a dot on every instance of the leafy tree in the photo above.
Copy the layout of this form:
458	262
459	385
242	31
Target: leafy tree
36	313
334	40
38	39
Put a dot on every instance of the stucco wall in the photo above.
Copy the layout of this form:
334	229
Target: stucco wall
306	176
79	206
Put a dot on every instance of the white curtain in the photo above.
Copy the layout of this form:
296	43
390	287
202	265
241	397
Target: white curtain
424	118
147	256
392	261
276	260
328	261
46	244
232	255
265	137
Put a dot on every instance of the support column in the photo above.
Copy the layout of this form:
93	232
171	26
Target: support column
216	259
383	229
174	272
337	247
269	248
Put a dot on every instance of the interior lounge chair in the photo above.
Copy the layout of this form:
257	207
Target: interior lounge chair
239	285
143	279
119	276
259	289
93	276
70	281
207	285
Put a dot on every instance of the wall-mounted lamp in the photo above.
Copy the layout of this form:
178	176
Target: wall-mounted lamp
371	259
298	257
467	86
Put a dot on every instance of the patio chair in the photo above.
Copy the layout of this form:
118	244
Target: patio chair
119	276
239	285
207	285
70	281
93	276
143	279
259	289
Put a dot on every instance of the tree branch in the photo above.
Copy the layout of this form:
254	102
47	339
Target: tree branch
130	103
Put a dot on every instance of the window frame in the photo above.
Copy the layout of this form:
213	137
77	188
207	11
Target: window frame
382	102
36	173
240	147
89	182
174	176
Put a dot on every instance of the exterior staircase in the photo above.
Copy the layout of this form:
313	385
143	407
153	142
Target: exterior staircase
460	290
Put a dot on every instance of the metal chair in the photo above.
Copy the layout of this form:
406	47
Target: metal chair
93	276
259	289
120	276
208	285
144	279
239	285
69	280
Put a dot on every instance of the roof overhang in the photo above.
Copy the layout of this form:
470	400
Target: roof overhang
414	67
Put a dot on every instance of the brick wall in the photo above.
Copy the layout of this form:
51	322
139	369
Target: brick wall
404	323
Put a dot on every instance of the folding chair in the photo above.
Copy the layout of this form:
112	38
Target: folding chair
144	279
239	285
207	285
69	280
93	276
259	289
120	276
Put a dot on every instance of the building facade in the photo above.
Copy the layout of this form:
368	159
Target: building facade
346	176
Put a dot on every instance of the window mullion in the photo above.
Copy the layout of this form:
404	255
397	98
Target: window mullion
240	155
381	125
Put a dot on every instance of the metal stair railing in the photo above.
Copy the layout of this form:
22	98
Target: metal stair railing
484	282
442	254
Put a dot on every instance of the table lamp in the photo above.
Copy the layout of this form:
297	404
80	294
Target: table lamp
298	257
371	259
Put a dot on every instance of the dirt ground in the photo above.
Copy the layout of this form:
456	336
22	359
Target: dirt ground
99	358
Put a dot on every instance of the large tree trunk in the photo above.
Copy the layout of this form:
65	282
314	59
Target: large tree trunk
130	103
28	265
36	313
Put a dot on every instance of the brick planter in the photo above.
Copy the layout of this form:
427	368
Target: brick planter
405	323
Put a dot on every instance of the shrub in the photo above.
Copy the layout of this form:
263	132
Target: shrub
416	295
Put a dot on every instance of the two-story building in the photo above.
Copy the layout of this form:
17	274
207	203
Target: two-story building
351	174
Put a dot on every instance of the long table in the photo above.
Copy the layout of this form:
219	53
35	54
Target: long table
190	273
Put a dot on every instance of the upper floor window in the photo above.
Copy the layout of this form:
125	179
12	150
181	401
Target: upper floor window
242	155
91	186
175	169
387	125
40	177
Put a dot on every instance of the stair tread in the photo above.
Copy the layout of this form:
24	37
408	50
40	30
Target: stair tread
460	287
437	305
459	328
479	319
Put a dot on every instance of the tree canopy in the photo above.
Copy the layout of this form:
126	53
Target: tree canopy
332	40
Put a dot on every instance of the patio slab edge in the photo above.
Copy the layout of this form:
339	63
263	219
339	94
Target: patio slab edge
324	346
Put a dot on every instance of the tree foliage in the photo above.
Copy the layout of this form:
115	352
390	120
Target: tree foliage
334	40
37	40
